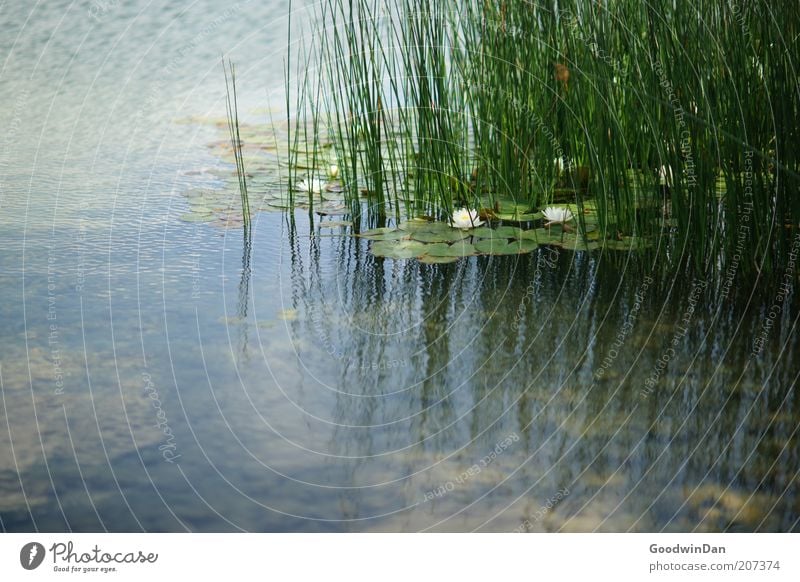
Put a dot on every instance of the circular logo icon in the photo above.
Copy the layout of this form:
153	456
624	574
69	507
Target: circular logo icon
31	555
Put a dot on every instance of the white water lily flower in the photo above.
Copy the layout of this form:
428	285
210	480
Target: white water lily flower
466	219
313	186
557	215
333	171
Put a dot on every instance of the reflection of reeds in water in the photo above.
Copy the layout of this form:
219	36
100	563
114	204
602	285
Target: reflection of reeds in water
683	130
431	368
232	110
244	291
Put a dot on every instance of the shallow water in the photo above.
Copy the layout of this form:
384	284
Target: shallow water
164	376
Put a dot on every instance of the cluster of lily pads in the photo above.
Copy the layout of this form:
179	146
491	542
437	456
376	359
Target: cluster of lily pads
503	227
439	242
263	152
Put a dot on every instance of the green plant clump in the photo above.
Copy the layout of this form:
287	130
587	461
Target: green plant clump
676	119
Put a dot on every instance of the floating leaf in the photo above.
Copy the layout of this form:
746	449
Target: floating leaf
376	231
201	210
280	203
384	233
515	211
451	235
439	249
458	249
483	232
513	217
192	217
508	231
520	246
414	224
434	260
490	246
335	224
499	233
331	209
401	249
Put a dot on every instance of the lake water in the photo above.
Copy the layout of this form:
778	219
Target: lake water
165	376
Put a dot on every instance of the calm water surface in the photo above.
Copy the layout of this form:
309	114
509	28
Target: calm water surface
165	376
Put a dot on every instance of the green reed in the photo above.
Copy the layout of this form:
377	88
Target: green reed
232	111
678	119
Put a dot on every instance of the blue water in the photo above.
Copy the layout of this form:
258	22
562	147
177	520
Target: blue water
165	376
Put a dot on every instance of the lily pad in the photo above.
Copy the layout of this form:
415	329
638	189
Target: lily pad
192	217
335	224
445	250
515	212
483	232
508	231
200	209
414	224
490	246
377	234
520	246
452	235
434	260
400	249
280	203
518	217
331	209
500	233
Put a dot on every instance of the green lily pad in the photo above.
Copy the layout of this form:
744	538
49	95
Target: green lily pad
452	235
335	224
521	217
401	249
379	233
436	249
331	209
483	232
490	246
457	250
515	211
200	209
192	217
506	249
500	233
521	246
333	196
434	260
533	234
280	203
414	224
508	231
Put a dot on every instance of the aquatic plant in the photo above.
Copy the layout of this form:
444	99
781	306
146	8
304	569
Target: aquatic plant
465	219
557	215
311	186
655	115
232	110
